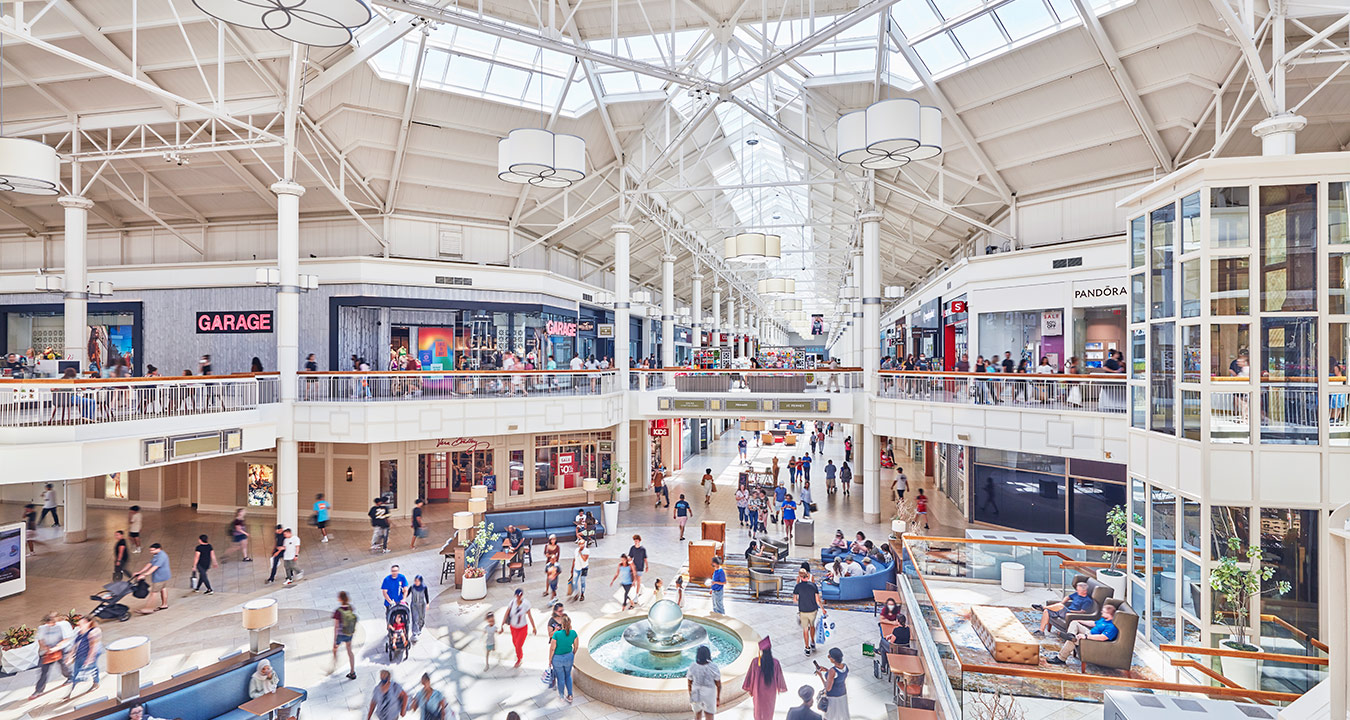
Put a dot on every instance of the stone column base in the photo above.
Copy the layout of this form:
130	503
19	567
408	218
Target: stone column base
76	536
871	517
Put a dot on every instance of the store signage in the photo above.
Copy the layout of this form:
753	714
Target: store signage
464	444
1052	323
259	321
585	326
683	335
605	330
958	306
562	328
660	431
567	463
1091	293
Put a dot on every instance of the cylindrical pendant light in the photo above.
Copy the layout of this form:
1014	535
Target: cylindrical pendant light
320	23
778	286
889	134
541	158
788	305
29	167
930	134
752	247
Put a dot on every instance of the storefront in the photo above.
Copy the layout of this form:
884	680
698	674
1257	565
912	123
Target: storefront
951	473
1028	334
954	331
925	331
595	333
684	345
1041	493
113	333
1099	320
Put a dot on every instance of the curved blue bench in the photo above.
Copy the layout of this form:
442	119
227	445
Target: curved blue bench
544	522
217	697
859	587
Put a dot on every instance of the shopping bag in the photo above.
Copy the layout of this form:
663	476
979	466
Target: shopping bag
195	579
821	633
547	677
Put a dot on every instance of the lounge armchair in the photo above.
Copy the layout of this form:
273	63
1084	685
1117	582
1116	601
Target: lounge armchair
780	547
761	581
763	563
1118	653
1097	591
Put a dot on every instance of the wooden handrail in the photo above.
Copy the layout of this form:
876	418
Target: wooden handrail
1018	543
1223	692
1225	652
464	373
1284	624
1207	671
995	376
125	380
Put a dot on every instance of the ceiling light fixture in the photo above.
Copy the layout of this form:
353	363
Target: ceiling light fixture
778	286
320	23
788	305
752	247
889	134
26	166
542	158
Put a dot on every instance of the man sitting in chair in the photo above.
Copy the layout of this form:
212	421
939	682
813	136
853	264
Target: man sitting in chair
1104	630
1077	601
515	539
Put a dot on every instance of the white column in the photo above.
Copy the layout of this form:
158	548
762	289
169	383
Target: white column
622	363
668	310
697	309
73	519
76	279
288	348
648	343
870	298
716	339
743	329
857	339
729	323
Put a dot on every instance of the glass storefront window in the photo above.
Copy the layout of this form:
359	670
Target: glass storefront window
1228	352
1090	500
1190	289
1229	219
1190	597
1137	303
1227	522
1289	372
1137	355
1138	499
1289	544
1230	286
389	481
1163	537
1338	348
1138	242
1162	378
1163	244
1289	248
1190	525
1138	407
1338	220
1190	414
555	454
1338	284
516	482
1190	353
469	468
1190	223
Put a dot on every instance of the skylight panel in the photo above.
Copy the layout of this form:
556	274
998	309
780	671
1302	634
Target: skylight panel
518	52
915	17
474	41
818	64
939	53
979	35
1064	9
433	68
618	83
508	81
467	72
855	61
1024	17
643	47
952	9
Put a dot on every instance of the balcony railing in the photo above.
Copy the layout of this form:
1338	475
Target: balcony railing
1084	393
467	385
29	403
823	380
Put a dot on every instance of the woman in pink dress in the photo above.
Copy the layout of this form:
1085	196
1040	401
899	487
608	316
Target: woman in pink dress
764	681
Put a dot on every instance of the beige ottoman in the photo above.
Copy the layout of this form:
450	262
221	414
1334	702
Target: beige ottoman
1004	636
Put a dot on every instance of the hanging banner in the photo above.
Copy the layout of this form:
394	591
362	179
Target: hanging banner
1052	323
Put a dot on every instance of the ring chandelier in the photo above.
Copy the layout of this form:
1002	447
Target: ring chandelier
889	134
320	23
778	286
788	305
533	156
753	247
29	167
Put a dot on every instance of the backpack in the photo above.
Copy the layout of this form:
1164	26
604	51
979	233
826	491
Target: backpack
347	618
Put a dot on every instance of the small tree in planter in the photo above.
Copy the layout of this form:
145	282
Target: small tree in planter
616	480
1237	587
475	578
1118	529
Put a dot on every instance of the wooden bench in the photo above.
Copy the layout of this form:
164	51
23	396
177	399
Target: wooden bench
1004	636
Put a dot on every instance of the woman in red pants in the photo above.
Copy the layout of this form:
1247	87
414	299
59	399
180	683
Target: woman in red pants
519	617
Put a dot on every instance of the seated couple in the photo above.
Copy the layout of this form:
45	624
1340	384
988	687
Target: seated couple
860	546
900	634
847	566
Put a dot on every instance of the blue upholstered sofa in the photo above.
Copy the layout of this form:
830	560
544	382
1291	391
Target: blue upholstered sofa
213	698
545	522
859	587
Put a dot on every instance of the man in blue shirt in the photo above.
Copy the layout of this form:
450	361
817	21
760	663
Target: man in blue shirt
157	570
321	508
1078	602
719	583
1104	630
394	586
682	511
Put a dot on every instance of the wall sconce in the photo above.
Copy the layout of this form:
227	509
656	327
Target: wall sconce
349	473
259	617
126	657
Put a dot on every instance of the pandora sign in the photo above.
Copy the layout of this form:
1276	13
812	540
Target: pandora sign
1095	293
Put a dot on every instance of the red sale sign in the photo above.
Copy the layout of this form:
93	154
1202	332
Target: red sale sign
567	463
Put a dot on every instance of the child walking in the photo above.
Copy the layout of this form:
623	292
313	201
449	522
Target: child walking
489	641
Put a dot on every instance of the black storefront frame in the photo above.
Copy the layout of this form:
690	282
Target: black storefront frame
133	308
336	302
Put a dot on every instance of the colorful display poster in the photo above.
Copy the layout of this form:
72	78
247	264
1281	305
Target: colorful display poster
262	485
114	486
436	348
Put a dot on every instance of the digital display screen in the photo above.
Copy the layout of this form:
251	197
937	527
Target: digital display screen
11	554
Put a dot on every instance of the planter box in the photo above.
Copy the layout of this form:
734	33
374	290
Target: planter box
19	659
610	510
475	588
720	382
776	383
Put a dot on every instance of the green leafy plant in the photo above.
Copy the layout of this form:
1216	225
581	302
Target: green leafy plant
72	617
1119	531
615	480
17	637
1238	586
483	537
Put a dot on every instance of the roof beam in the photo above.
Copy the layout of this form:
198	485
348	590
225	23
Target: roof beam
360	54
1128	92
405	123
1250	54
949	113
150	213
27	218
808	43
103	213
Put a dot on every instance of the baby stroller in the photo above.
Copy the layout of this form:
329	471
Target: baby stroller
399	640
108	607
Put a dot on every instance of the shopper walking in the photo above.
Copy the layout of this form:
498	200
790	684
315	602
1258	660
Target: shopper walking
683	511
719	584
379	523
624	574
835	678
321	508
237	534
394	587
846	477
638	555
157	570
809	601
921	507
789	508
830	472
290	556
419	597
431	702
764	681
562	651
659	488
709	484
705	684
740	448
120	556
388	701
580	568
419	529
134	526
521	619
53	638
49	506
344	627
87	646
806	500
278	550
742	506
203	559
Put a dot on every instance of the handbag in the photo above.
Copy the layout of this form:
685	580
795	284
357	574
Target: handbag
421	532
822	701
195	579
547	677
51	656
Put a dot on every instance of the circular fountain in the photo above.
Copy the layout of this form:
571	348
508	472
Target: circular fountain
640	663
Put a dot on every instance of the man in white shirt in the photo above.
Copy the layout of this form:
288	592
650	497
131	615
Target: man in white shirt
867	567
852	568
577	363
49	506
290	555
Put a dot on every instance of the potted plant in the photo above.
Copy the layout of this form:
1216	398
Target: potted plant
1236	587
615	480
475	577
1119	531
18	649
903	519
